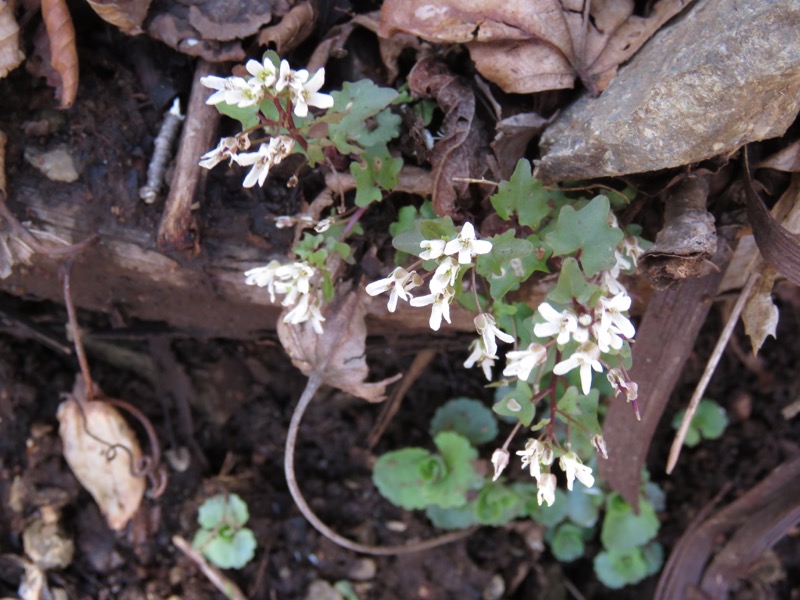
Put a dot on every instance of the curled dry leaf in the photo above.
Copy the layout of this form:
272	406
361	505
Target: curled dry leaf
292	30
461	151
338	354
529	46
63	52
127	15
10	54
102	451
760	315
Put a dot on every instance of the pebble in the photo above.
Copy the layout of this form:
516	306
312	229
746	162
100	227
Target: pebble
56	164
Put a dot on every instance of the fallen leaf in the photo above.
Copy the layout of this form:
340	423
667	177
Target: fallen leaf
512	136
461	150
127	15
293	29
223	20
10	54
174	30
337	354
63	52
528	46
760	315
102	451
787	159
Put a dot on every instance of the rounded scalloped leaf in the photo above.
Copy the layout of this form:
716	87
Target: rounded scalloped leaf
497	505
403	477
567	543
623	529
461	475
618	568
223	509
231	553
468	417
459	517
583	506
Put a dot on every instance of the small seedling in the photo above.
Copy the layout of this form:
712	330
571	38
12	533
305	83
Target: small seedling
223	539
708	423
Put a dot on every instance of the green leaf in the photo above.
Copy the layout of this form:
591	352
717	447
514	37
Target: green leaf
232	553
709	422
567	543
221	510
654	557
524	196
247	116
572	285
583	506
402	477
586	231
517	403
497	504
549	516
510	262
385	127
468	417
623	529
379	170
461	477
459	517
618	568
349	118
581	409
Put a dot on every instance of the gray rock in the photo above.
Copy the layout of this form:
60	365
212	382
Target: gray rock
724	74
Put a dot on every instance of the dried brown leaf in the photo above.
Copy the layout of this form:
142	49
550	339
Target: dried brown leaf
63	52
787	159
293	29
760	315
528	46
174	30
337	355
10	54
460	151
127	15
223	20
102	451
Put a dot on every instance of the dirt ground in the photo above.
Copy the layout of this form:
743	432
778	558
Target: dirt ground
225	430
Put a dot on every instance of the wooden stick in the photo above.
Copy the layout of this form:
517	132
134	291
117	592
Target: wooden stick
713	361
178	227
212	573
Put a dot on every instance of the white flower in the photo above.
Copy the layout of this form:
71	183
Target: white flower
307	309
520	363
622	383
263	73
263	277
600	445
294	280
499	461
231	90
227	147
611	284
445	275
441	306
535	455
612	310
488	330
547	489
575	469
268	155
466	246
431	249
398	283
562	324
482	357
304	92
586	357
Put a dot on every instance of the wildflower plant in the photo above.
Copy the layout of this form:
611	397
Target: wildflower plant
223	538
282	112
559	357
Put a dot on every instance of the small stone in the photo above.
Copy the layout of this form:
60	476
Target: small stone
322	590
56	164
495	589
47	546
362	570
722	75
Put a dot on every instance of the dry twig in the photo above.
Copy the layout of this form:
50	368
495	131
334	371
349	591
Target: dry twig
212	573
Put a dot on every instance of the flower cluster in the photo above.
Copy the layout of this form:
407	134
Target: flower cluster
295	282
281	84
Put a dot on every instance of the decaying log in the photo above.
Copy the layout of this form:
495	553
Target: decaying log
204	296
